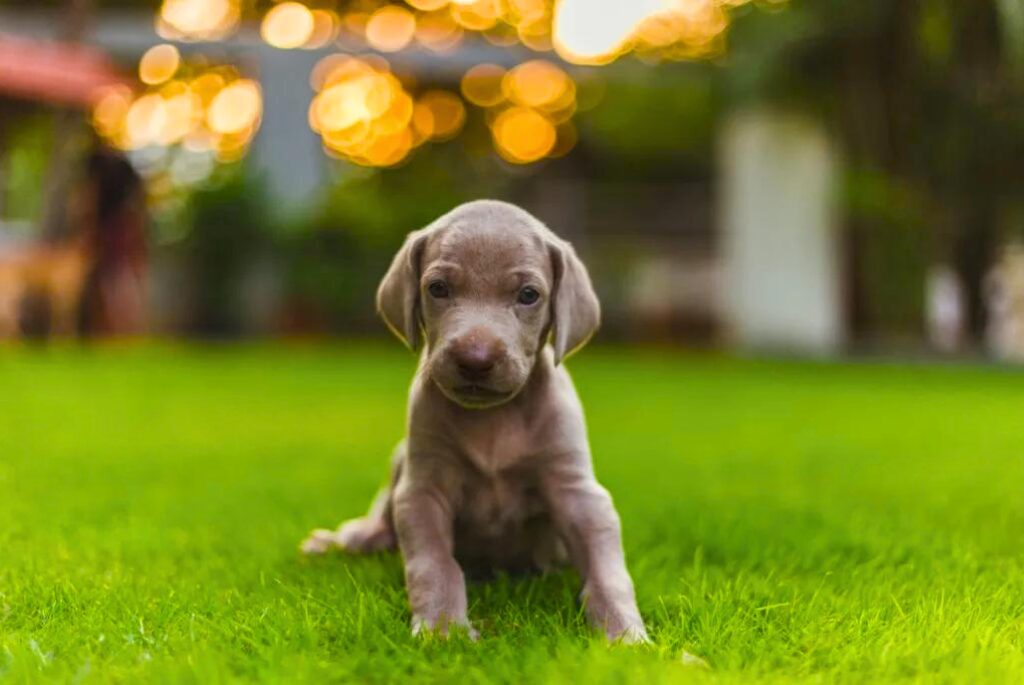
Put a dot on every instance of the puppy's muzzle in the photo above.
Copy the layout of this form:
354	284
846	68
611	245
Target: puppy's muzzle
476	355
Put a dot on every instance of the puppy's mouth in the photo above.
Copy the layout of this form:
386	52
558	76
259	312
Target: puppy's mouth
475	396
480	393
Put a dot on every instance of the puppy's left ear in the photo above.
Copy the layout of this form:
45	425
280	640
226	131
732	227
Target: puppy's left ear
398	297
575	310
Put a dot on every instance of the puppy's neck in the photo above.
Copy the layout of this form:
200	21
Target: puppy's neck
492	439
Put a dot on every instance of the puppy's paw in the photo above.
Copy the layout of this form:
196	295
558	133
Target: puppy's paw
630	635
320	541
358	536
426	628
365	536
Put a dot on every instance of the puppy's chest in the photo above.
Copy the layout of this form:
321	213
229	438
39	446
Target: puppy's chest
498	505
499	491
497	446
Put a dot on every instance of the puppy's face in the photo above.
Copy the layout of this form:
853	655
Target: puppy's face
484	286
484	303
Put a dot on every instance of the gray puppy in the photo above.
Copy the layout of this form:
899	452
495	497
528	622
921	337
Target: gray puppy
496	471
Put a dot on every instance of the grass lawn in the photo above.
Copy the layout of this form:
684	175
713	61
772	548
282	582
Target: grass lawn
788	522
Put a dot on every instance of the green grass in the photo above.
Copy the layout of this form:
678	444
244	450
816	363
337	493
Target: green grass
789	522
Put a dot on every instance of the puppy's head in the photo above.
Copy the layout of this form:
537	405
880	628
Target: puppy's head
485	287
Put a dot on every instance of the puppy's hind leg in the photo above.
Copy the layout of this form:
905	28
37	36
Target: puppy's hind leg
364	535
374	532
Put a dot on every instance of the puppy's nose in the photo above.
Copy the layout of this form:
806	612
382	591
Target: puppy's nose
476	359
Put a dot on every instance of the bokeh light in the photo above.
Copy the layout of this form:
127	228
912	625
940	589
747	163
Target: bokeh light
590	31
390	28
111	108
523	135
427	5
447	113
501	35
181	110
529	108
482	85
198	19
236	108
364	114
359	104
207	85
476	15
159	64
422	121
538	83
288	25
582	31
597	32
209	111
326	25
144	121
437	31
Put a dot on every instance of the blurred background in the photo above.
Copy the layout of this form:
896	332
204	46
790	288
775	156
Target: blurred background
815	177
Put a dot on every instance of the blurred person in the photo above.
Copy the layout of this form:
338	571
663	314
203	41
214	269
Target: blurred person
114	224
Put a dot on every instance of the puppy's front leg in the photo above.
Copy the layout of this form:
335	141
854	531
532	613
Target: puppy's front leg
586	518
433	579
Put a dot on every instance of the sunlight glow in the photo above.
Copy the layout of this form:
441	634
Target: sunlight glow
595	32
198	19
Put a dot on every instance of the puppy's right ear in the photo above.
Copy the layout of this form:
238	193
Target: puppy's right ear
398	297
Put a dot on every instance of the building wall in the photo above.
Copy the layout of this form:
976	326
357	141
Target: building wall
778	173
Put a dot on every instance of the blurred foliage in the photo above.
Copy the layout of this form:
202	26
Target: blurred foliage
927	100
622	126
229	229
875	196
24	167
381	207
1011	14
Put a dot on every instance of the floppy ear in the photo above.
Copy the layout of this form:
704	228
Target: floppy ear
398	297
575	310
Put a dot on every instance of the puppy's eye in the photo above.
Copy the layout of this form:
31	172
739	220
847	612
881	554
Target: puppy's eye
438	289
528	296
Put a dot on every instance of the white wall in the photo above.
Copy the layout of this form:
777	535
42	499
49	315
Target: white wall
778	174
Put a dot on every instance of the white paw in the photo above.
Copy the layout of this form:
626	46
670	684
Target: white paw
633	635
424	628
358	536
320	541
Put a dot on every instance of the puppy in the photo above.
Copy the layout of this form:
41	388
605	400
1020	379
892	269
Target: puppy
495	472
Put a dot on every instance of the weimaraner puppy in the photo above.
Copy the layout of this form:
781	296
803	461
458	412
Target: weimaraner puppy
495	473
